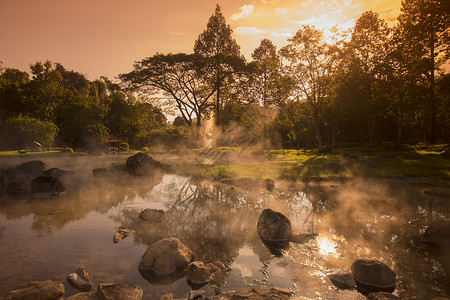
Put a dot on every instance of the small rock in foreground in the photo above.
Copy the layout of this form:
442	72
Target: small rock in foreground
80	280
343	281
121	234
43	290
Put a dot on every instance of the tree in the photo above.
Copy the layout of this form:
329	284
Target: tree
21	131
424	29
179	78
217	44
267	77
12	84
310	63
369	57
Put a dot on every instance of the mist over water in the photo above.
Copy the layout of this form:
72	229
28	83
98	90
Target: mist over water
50	237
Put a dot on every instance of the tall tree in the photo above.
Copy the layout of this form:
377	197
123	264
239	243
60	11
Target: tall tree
369	48
217	44
424	27
179	78
311	62
268	72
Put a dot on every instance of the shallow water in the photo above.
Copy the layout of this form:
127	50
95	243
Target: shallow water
49	238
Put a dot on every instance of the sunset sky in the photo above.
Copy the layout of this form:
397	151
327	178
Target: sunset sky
105	37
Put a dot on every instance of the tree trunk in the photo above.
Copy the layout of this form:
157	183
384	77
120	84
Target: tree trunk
317	128
432	96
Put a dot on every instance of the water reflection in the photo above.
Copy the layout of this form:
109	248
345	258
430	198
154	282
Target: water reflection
48	238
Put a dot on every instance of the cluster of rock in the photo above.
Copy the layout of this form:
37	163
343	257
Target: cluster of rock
31	178
139	164
81	280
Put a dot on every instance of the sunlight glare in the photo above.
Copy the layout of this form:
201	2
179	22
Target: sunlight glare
326	246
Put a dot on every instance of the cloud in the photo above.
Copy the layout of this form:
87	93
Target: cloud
281	11
249	31
246	11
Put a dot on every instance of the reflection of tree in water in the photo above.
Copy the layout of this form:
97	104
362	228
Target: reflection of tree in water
53	213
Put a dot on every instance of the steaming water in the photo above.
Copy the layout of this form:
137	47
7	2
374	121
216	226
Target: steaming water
49	238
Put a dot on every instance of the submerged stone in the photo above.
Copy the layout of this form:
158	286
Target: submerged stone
382	296
113	291
43	290
199	273
152	215
121	234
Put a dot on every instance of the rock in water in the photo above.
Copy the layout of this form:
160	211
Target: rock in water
269	184
274	226
152	215
42	290
121	234
199	273
166	256
32	168
47	185
80	280
142	164
343	281
114	291
373	276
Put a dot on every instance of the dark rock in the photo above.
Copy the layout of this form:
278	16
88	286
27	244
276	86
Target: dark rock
274	226
373	276
42	290
142	164
152	215
445	154
47	185
166	256
269	184
100	172
438	233
199	273
80	280
412	155
32	168
18	187
334	168
114	291
56	172
343	281
276	248
156	279
121	234
382	296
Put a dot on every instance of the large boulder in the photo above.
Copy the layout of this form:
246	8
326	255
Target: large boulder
199	273
274	226
438	233
43	290
18	187
373	276
166	256
47	185
142	164
80	280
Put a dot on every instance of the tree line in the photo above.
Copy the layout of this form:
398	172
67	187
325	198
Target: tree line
372	84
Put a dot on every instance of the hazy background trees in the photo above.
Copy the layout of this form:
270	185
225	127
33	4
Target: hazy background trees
372	84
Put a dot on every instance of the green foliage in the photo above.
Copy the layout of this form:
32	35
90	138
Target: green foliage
20	132
125	147
171	138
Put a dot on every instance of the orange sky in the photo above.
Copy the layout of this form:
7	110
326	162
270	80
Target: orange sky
105	37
